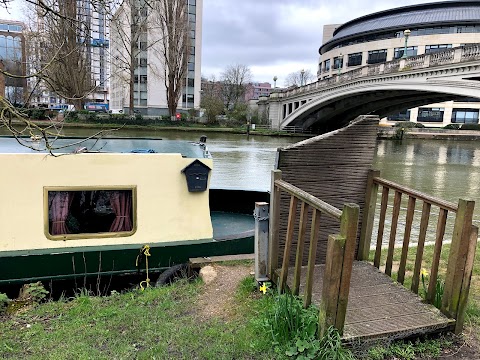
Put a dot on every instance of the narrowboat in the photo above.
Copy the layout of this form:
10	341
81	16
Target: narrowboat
94	213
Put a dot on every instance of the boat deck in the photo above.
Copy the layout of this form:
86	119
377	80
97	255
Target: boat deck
228	226
378	307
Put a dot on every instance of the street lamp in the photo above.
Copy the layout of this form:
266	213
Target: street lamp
302	74
275	81
406	34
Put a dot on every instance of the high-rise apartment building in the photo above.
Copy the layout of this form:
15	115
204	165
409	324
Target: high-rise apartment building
12	55
139	27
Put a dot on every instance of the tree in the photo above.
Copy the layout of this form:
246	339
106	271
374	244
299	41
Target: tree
211	100
65	67
173	50
299	78
235	78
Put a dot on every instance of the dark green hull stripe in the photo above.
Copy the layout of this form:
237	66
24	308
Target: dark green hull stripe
80	262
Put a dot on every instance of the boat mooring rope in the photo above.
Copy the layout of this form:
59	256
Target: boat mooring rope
144	251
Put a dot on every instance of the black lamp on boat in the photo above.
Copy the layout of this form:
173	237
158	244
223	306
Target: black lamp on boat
196	174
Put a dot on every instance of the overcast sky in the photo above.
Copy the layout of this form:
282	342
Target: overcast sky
272	37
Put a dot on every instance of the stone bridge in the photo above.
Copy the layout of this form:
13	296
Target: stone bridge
377	89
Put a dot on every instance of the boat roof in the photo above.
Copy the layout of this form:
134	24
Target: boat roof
187	149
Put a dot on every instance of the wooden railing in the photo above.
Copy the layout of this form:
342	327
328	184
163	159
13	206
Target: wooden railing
340	250
462	248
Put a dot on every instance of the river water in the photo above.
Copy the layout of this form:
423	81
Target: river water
446	169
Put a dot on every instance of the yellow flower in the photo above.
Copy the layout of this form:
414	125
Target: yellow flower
424	272
263	288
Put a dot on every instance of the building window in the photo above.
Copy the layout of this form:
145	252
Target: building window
411	51
377	56
191	82
354	59
143	62
436	48
326	65
143	79
83	213
400	116
338	62
465	116
430	114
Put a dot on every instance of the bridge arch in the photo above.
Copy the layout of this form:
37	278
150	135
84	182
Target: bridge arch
334	107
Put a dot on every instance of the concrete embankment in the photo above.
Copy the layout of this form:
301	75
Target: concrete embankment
422	133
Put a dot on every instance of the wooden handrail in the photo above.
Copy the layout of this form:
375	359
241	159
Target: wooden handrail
447	205
337	276
309	199
461	252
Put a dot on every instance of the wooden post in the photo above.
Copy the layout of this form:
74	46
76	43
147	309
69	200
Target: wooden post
288	243
406	239
368	216
441	222
348	230
300	245
312	255
273	243
261	241
457	258
393	232
331	283
467	277
420	246
381	226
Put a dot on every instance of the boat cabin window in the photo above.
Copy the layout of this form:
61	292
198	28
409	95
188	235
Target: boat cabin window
78	214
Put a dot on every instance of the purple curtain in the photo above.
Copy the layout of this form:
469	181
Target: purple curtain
59	208
121	202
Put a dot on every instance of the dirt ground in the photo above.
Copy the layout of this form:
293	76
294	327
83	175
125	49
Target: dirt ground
217	300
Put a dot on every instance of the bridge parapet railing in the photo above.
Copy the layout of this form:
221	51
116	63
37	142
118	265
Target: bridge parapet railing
442	58
392	66
340	249
471	52
374	69
452	301
449	56
416	62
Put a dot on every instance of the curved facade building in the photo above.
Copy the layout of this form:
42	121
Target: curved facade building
380	37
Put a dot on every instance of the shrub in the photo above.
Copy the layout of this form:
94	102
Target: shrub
408	125
33	293
294	331
452	126
4	300
405	124
470	127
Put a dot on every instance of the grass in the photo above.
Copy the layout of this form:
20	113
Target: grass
164	323
157	323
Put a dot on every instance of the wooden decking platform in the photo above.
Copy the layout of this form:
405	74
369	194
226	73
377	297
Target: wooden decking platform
378	307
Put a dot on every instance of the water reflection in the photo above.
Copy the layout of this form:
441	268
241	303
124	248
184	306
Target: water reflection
448	170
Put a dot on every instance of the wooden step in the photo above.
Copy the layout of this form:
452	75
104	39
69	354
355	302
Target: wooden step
198	262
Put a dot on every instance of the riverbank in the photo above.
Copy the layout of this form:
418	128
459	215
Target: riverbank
427	134
185	126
